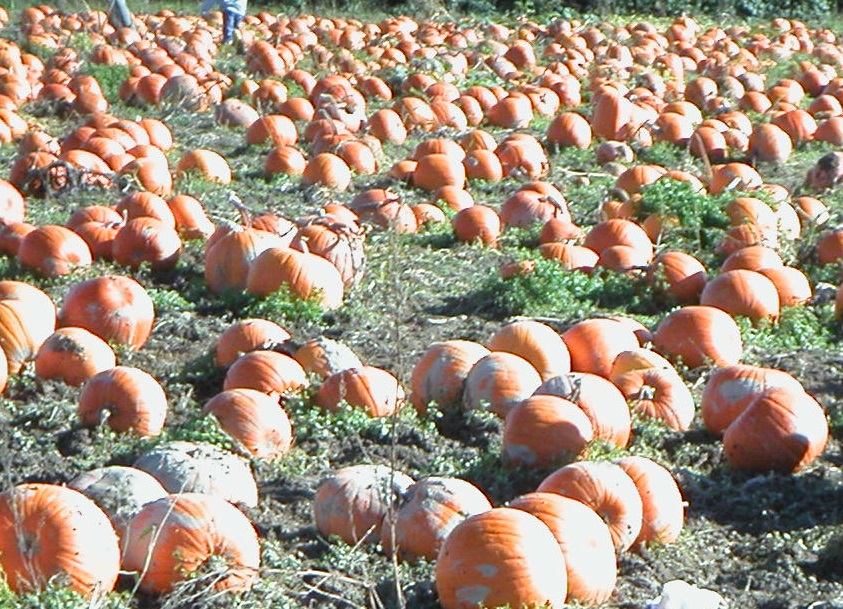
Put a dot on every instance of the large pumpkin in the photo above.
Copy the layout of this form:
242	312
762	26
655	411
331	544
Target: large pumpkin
175	536
49	531
501	557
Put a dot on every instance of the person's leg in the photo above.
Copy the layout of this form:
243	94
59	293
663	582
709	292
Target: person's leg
228	25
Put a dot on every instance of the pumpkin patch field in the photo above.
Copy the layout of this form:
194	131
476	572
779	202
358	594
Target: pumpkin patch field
419	311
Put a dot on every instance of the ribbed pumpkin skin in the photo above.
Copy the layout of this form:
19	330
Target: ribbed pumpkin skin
73	355
325	356
24	326
536	342
439	376
585	541
605	488
116	308
545	430
133	399
498	382
658	393
64	535
255	420
780	430
53	251
600	400
594	344
267	371
664	510
699	335
306	275
228	253
248	335
730	389
352	502
501	557
743	292
174	536
433	507
371	389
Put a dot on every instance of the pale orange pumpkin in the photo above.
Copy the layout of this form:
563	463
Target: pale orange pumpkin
254	419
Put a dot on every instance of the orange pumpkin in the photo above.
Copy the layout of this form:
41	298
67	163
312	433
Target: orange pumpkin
780	430
501	557
53	251
173	537
664	508
594	344
50	531
374	390
254	419
116	308
545	430
126	398
248	335
306	275
536	342
267	371
608	490
439	375
73	355
432	508
352	501
699	335
498	382
586	543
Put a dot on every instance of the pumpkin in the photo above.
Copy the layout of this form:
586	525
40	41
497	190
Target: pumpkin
374	390
146	239
198	467
477	223
608	490
254	419
730	389
306	276
209	164
175	536
352	501
586	543
499	557
570	129
781	429
743	292
325	356
699	335
545	430
230	250
664	508
27	319
678	274
658	393
498	382
600	400
116	308
73	355
50	531
53	251
119	491
191	220
536	342
594	344
268	371
126	398
336	242
439	374
247	335
432	508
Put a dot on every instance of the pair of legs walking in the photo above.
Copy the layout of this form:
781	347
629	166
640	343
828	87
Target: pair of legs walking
230	23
